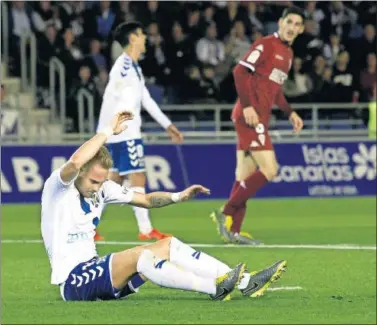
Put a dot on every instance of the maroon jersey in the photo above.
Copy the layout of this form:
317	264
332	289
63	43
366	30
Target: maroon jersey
268	62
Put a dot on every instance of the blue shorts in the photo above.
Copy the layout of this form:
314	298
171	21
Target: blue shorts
90	281
128	156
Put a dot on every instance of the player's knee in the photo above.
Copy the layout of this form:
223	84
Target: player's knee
270	171
145	259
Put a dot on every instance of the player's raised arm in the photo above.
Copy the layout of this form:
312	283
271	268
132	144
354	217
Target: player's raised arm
88	150
161	199
152	108
114	193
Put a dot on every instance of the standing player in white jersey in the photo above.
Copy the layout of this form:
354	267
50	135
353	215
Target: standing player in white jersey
73	199
127	85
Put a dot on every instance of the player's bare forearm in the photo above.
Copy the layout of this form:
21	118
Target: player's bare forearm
162	199
152	200
87	151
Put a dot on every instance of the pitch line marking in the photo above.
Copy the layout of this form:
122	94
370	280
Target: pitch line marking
285	288
135	243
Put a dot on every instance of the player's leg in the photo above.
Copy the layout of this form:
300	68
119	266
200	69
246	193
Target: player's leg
267	170
245	166
132	170
155	263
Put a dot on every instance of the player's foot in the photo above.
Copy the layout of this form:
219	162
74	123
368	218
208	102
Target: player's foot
244	238
98	237
223	223
225	284
261	280
154	234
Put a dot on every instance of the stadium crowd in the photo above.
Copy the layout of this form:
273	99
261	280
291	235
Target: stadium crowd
193	46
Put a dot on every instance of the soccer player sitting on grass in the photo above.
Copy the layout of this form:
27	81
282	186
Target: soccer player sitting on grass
258	77
73	199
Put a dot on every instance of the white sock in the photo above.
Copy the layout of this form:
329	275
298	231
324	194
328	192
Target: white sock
142	214
200	263
166	274
197	262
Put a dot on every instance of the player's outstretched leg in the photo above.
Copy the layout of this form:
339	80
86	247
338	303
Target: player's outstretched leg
146	231
152	261
259	281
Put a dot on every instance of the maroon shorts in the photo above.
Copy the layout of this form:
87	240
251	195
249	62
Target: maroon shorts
250	138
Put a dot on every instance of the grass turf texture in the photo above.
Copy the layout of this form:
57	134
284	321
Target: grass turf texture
339	286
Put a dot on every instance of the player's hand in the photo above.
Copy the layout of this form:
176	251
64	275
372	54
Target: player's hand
251	116
296	121
118	120
193	191
174	134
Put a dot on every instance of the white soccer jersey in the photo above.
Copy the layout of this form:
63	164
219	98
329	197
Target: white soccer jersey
126	90
68	222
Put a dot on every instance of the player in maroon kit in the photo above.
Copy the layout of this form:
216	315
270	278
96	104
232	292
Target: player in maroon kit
259	77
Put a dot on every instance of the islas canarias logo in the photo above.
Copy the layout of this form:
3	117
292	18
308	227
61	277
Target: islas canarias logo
365	161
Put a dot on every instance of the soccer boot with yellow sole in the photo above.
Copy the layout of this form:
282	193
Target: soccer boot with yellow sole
244	238
225	284
261	280
223	224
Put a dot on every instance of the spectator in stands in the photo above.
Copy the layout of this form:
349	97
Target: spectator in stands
44	15
101	81
19	23
154	64
298	86
85	81
315	14
368	78
325	94
71	15
193	89
49	46
20	19
254	16
316	76
180	53
152	12
307	45
339	18
125	12
333	48
209	84
226	17
70	55
191	24
95	60
99	22
240	43
209	50
208	13
345	82
367	44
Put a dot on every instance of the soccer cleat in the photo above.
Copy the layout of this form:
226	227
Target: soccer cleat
225	284
98	237
224	223
261	280
244	238
154	234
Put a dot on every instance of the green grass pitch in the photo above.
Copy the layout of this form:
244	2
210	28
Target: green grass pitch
338	285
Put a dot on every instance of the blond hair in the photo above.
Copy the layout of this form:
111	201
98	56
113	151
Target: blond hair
102	157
